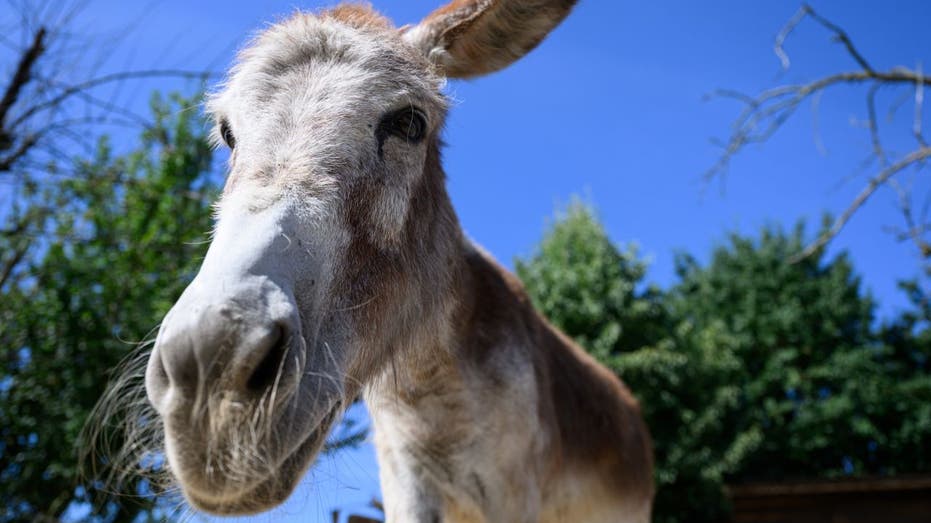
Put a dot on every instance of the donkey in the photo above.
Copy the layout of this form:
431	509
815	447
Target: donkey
338	269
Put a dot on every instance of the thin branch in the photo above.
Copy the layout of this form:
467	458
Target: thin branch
884	176
919	103
897	104
106	105
25	145
16	229
110	78
913	230
841	36
766	113
873	124
785	32
22	76
730	93
816	123
11	264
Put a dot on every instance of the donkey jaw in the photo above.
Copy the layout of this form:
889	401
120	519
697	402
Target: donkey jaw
234	478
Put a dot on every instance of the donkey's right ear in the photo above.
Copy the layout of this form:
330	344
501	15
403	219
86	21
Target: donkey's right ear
474	37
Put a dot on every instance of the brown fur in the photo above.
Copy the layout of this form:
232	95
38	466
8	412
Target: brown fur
360	16
596	421
449	313
483	36
592	421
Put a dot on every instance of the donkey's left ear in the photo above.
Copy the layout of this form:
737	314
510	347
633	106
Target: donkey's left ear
475	37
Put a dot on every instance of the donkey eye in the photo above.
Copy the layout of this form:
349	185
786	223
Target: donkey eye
409	123
227	134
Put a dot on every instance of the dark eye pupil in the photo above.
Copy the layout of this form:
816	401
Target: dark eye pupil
227	134
409	124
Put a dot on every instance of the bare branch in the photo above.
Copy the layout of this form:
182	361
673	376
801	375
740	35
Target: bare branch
108	106
730	93
766	113
763	114
21	77
106	79
25	145
10	266
841	36
873	124
919	103
884	176
914	231
15	230
785	32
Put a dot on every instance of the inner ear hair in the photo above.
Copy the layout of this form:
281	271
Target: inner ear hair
469	38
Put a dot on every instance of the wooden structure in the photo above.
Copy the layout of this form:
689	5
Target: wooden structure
869	500
876	500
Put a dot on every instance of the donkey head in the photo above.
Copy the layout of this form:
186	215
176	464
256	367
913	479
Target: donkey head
335	246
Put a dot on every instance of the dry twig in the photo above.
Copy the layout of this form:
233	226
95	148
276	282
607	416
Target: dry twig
765	113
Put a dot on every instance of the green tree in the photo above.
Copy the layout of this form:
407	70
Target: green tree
808	358
126	234
749	368
906	362
589	288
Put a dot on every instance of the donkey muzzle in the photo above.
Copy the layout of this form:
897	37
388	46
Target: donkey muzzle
237	347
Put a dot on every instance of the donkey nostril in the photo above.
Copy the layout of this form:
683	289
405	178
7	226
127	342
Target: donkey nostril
268	369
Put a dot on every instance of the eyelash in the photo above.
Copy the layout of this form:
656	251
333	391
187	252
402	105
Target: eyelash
227	134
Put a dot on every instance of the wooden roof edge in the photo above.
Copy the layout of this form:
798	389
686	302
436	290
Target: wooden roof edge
830	486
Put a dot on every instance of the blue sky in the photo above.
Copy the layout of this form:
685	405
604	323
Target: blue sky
610	106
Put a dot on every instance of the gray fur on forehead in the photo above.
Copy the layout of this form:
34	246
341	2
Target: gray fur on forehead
349	34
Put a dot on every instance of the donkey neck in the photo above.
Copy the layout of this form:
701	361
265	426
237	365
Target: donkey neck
477	335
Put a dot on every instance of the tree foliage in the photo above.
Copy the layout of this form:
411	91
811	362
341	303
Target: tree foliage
748	368
126	234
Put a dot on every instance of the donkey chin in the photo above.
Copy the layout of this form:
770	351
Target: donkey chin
234	455
236	477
